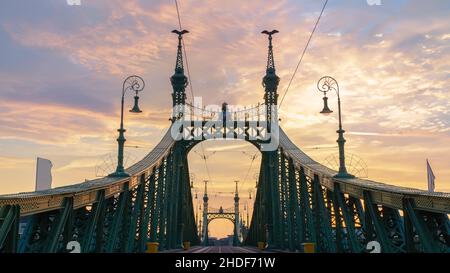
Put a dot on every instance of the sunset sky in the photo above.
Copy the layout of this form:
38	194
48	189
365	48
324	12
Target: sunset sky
62	67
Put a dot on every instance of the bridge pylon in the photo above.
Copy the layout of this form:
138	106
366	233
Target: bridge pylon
236	217
205	215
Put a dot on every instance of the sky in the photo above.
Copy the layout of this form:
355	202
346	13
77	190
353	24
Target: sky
62	67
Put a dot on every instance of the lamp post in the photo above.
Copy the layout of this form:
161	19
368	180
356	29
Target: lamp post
327	84
135	84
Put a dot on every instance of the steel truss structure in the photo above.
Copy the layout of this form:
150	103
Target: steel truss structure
298	201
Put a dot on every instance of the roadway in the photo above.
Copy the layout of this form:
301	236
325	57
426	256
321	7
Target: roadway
220	249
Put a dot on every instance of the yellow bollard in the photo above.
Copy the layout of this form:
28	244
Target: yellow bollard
308	247
261	245
152	247
186	245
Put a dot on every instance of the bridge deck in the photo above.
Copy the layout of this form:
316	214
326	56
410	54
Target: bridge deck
218	249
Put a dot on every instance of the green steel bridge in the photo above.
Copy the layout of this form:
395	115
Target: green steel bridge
298	200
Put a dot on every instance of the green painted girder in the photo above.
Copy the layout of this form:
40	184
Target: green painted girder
340	242
354	205
9	228
104	213
286	202
415	219
97	208
165	215
160	203
273	199
115	227
174	218
395	228
297	225
444	224
58	225
438	228
183	211
175	241
309	234
272	212
323	219
373	218
127	219
294	207
191	232
298	222
171	220
359	211
143	228
157	203
151	205
27	234
268	210
130	242
263	209
141	215
348	219
276	199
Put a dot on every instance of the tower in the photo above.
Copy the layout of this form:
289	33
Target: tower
178	80
270	159
236	216
270	80
205	215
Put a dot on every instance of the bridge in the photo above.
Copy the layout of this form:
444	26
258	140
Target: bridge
298	200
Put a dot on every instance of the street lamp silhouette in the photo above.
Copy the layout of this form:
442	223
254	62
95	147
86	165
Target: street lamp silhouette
135	84
327	84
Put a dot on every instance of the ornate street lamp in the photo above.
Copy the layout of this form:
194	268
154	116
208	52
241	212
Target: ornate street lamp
327	84
135	84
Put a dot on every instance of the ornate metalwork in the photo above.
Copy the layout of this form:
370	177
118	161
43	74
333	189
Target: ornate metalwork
354	163
136	84
326	84
297	201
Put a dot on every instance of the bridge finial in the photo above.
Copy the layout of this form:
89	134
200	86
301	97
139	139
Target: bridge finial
178	80
179	67
270	60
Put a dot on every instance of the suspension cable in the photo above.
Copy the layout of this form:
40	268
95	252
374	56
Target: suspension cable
303	54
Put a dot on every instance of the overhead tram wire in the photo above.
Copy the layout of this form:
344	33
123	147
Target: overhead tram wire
303	54
190	84
248	171
184	51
